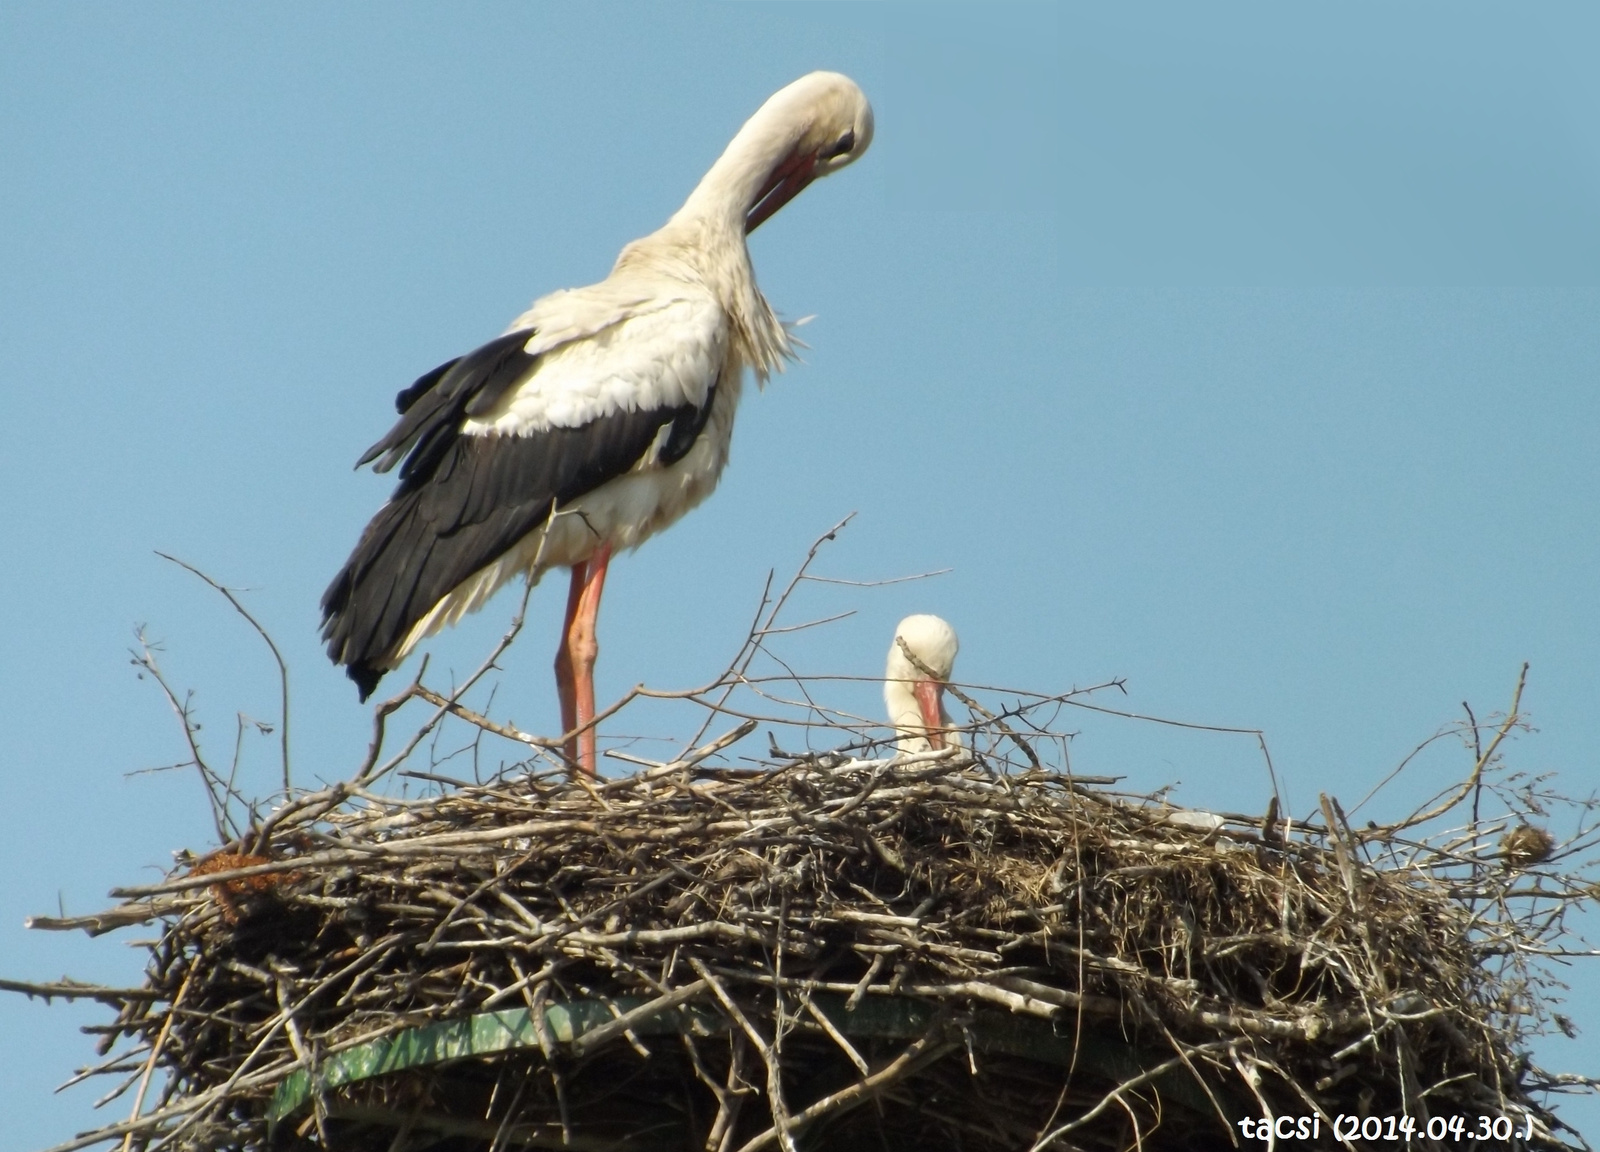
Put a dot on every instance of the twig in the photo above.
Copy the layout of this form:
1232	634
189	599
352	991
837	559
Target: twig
283	668
155	1053
145	658
1513	717
916	662
925	1049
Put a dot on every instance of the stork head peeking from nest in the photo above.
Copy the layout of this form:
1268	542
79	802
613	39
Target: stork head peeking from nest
921	659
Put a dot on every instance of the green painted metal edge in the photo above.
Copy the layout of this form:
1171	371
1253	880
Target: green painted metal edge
482	1035
489	1033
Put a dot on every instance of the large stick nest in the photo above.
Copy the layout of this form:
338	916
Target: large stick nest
843	949
1205	974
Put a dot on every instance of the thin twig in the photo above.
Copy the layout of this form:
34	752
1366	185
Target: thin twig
283	668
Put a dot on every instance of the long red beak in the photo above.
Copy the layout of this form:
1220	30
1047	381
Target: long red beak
928	693
781	187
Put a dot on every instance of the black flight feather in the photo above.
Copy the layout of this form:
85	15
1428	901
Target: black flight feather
686	428
432	407
464	501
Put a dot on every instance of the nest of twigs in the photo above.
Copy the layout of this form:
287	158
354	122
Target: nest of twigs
924	951
967	949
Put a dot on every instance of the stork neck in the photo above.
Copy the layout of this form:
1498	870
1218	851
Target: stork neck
902	703
729	190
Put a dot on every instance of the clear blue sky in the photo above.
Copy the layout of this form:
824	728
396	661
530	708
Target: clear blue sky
1248	352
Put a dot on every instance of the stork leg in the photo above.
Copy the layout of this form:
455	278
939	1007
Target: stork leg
576	656
564	686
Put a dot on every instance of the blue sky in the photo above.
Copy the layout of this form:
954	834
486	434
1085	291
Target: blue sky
1246	352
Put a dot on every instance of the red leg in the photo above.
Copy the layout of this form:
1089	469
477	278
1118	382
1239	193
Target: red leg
582	647
564	685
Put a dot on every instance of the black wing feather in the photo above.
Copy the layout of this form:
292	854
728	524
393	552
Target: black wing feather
432	407
686	428
464	501
423	384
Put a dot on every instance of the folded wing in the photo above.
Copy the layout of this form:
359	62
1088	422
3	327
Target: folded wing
485	463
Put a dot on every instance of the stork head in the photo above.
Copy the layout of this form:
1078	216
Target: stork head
811	128
914	697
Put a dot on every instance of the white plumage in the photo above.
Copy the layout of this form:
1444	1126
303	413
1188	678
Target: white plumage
914	699
662	357
601	416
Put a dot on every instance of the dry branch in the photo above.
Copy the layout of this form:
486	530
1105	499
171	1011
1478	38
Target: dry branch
690	894
735	954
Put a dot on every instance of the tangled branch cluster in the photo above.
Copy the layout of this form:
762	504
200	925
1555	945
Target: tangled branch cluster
1288	969
971	949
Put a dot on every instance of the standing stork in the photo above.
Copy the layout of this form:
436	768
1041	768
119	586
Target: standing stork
601	416
914	699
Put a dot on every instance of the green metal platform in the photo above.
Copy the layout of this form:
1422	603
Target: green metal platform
490	1033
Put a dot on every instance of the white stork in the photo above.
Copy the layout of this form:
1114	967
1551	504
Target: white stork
916	702
601	416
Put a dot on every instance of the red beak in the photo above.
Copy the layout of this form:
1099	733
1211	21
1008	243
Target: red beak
781	187
928	693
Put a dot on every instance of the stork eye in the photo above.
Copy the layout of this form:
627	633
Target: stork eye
842	145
